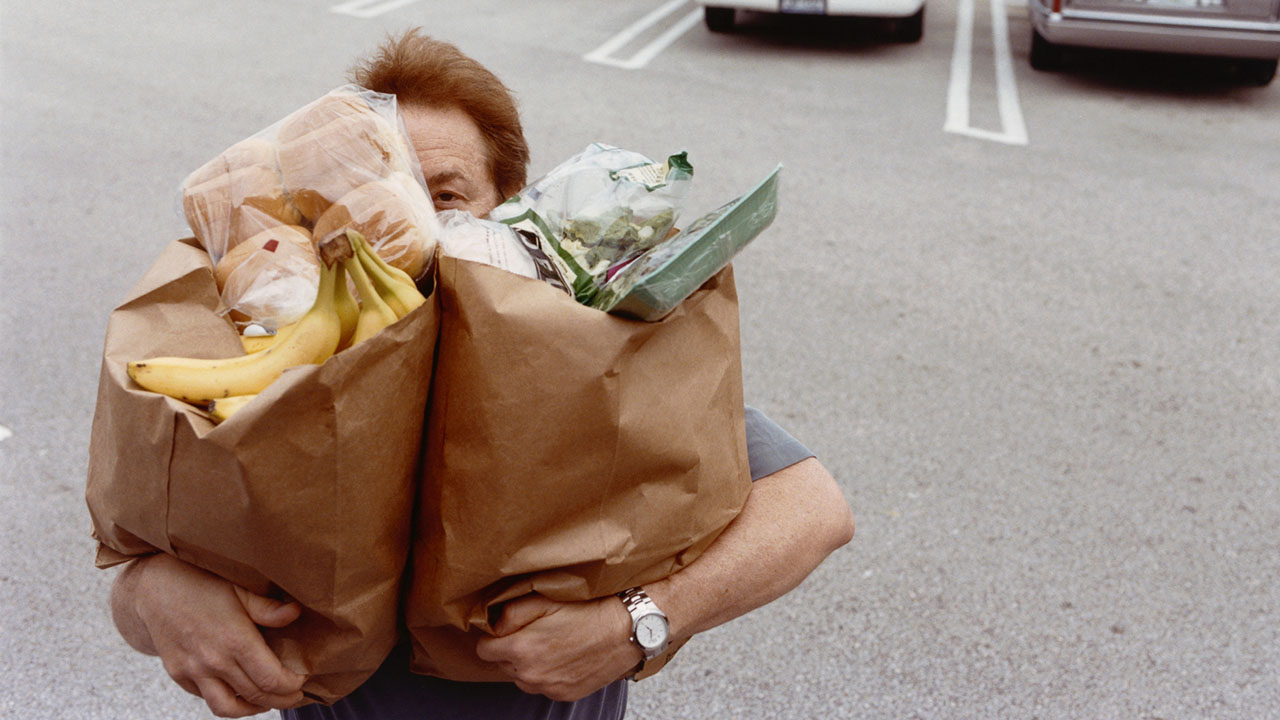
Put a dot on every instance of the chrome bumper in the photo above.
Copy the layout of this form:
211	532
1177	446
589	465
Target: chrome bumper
1131	31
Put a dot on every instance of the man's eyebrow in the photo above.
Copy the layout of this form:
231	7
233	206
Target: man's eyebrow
445	176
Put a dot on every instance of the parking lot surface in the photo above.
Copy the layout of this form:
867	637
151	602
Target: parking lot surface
1028	320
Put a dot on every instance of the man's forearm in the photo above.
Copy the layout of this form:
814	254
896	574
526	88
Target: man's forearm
124	608
792	521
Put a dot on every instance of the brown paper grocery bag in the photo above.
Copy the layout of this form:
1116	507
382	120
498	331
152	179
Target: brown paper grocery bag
569	452
306	493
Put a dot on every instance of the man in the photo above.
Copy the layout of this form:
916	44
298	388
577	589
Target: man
565	660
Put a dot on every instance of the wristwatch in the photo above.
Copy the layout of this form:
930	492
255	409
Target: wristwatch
649	628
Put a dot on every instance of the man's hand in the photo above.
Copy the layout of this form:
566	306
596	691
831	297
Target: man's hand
204	630
565	651
792	520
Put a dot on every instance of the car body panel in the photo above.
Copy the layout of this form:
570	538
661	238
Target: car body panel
1228	28
870	8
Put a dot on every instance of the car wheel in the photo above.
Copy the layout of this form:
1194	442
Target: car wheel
909	29
1258	72
1044	54
719	19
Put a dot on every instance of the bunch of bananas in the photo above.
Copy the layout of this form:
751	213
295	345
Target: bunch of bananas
334	322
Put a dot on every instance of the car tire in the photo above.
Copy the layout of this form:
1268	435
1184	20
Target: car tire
1045	55
719	19
910	29
1258	72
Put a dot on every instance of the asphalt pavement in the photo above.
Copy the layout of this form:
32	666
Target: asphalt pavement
1044	367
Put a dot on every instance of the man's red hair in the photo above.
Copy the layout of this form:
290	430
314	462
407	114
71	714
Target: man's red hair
419	70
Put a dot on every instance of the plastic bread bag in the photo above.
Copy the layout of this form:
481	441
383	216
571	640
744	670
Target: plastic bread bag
599	209
271	278
396	217
341	161
657	281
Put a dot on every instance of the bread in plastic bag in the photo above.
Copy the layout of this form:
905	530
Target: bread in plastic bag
338	143
395	216
349	144
271	278
236	195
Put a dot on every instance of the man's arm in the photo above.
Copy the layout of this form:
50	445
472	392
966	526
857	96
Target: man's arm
792	520
204	630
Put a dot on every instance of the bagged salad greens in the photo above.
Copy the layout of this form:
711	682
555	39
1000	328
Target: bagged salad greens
598	210
658	280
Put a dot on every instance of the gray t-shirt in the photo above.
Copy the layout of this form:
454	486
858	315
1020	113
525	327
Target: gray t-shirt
394	693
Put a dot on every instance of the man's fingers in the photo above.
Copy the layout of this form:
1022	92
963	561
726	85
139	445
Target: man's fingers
187	685
266	611
223	702
255	693
491	650
277	688
266	672
520	612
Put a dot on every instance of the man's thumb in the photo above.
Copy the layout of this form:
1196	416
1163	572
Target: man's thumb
266	611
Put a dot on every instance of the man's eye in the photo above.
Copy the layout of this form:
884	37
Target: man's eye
447	199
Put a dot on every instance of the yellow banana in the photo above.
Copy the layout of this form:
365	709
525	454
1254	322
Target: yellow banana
348	310
398	291
375	313
258	343
223	408
312	339
387	267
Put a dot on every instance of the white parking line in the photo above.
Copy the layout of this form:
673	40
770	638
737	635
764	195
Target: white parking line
5	433
369	8
1013	129
603	55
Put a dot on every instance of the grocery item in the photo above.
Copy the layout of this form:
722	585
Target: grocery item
254	343
199	380
597	210
395	288
656	282
338	143
236	204
340	162
375	312
394	215
305	492
223	408
467	237
271	277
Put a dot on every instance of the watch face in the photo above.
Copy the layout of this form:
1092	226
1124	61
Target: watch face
651	631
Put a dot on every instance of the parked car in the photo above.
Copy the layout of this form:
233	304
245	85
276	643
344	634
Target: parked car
908	15
1248	30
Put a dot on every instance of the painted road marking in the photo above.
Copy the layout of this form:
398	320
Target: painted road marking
603	55
369	8
5	433
1013	129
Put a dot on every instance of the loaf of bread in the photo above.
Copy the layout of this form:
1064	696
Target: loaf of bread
271	276
335	145
235	196
394	215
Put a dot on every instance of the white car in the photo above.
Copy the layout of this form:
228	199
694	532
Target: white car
1248	30
907	14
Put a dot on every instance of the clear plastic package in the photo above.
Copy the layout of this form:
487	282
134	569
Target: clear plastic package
656	282
341	161
467	237
599	209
